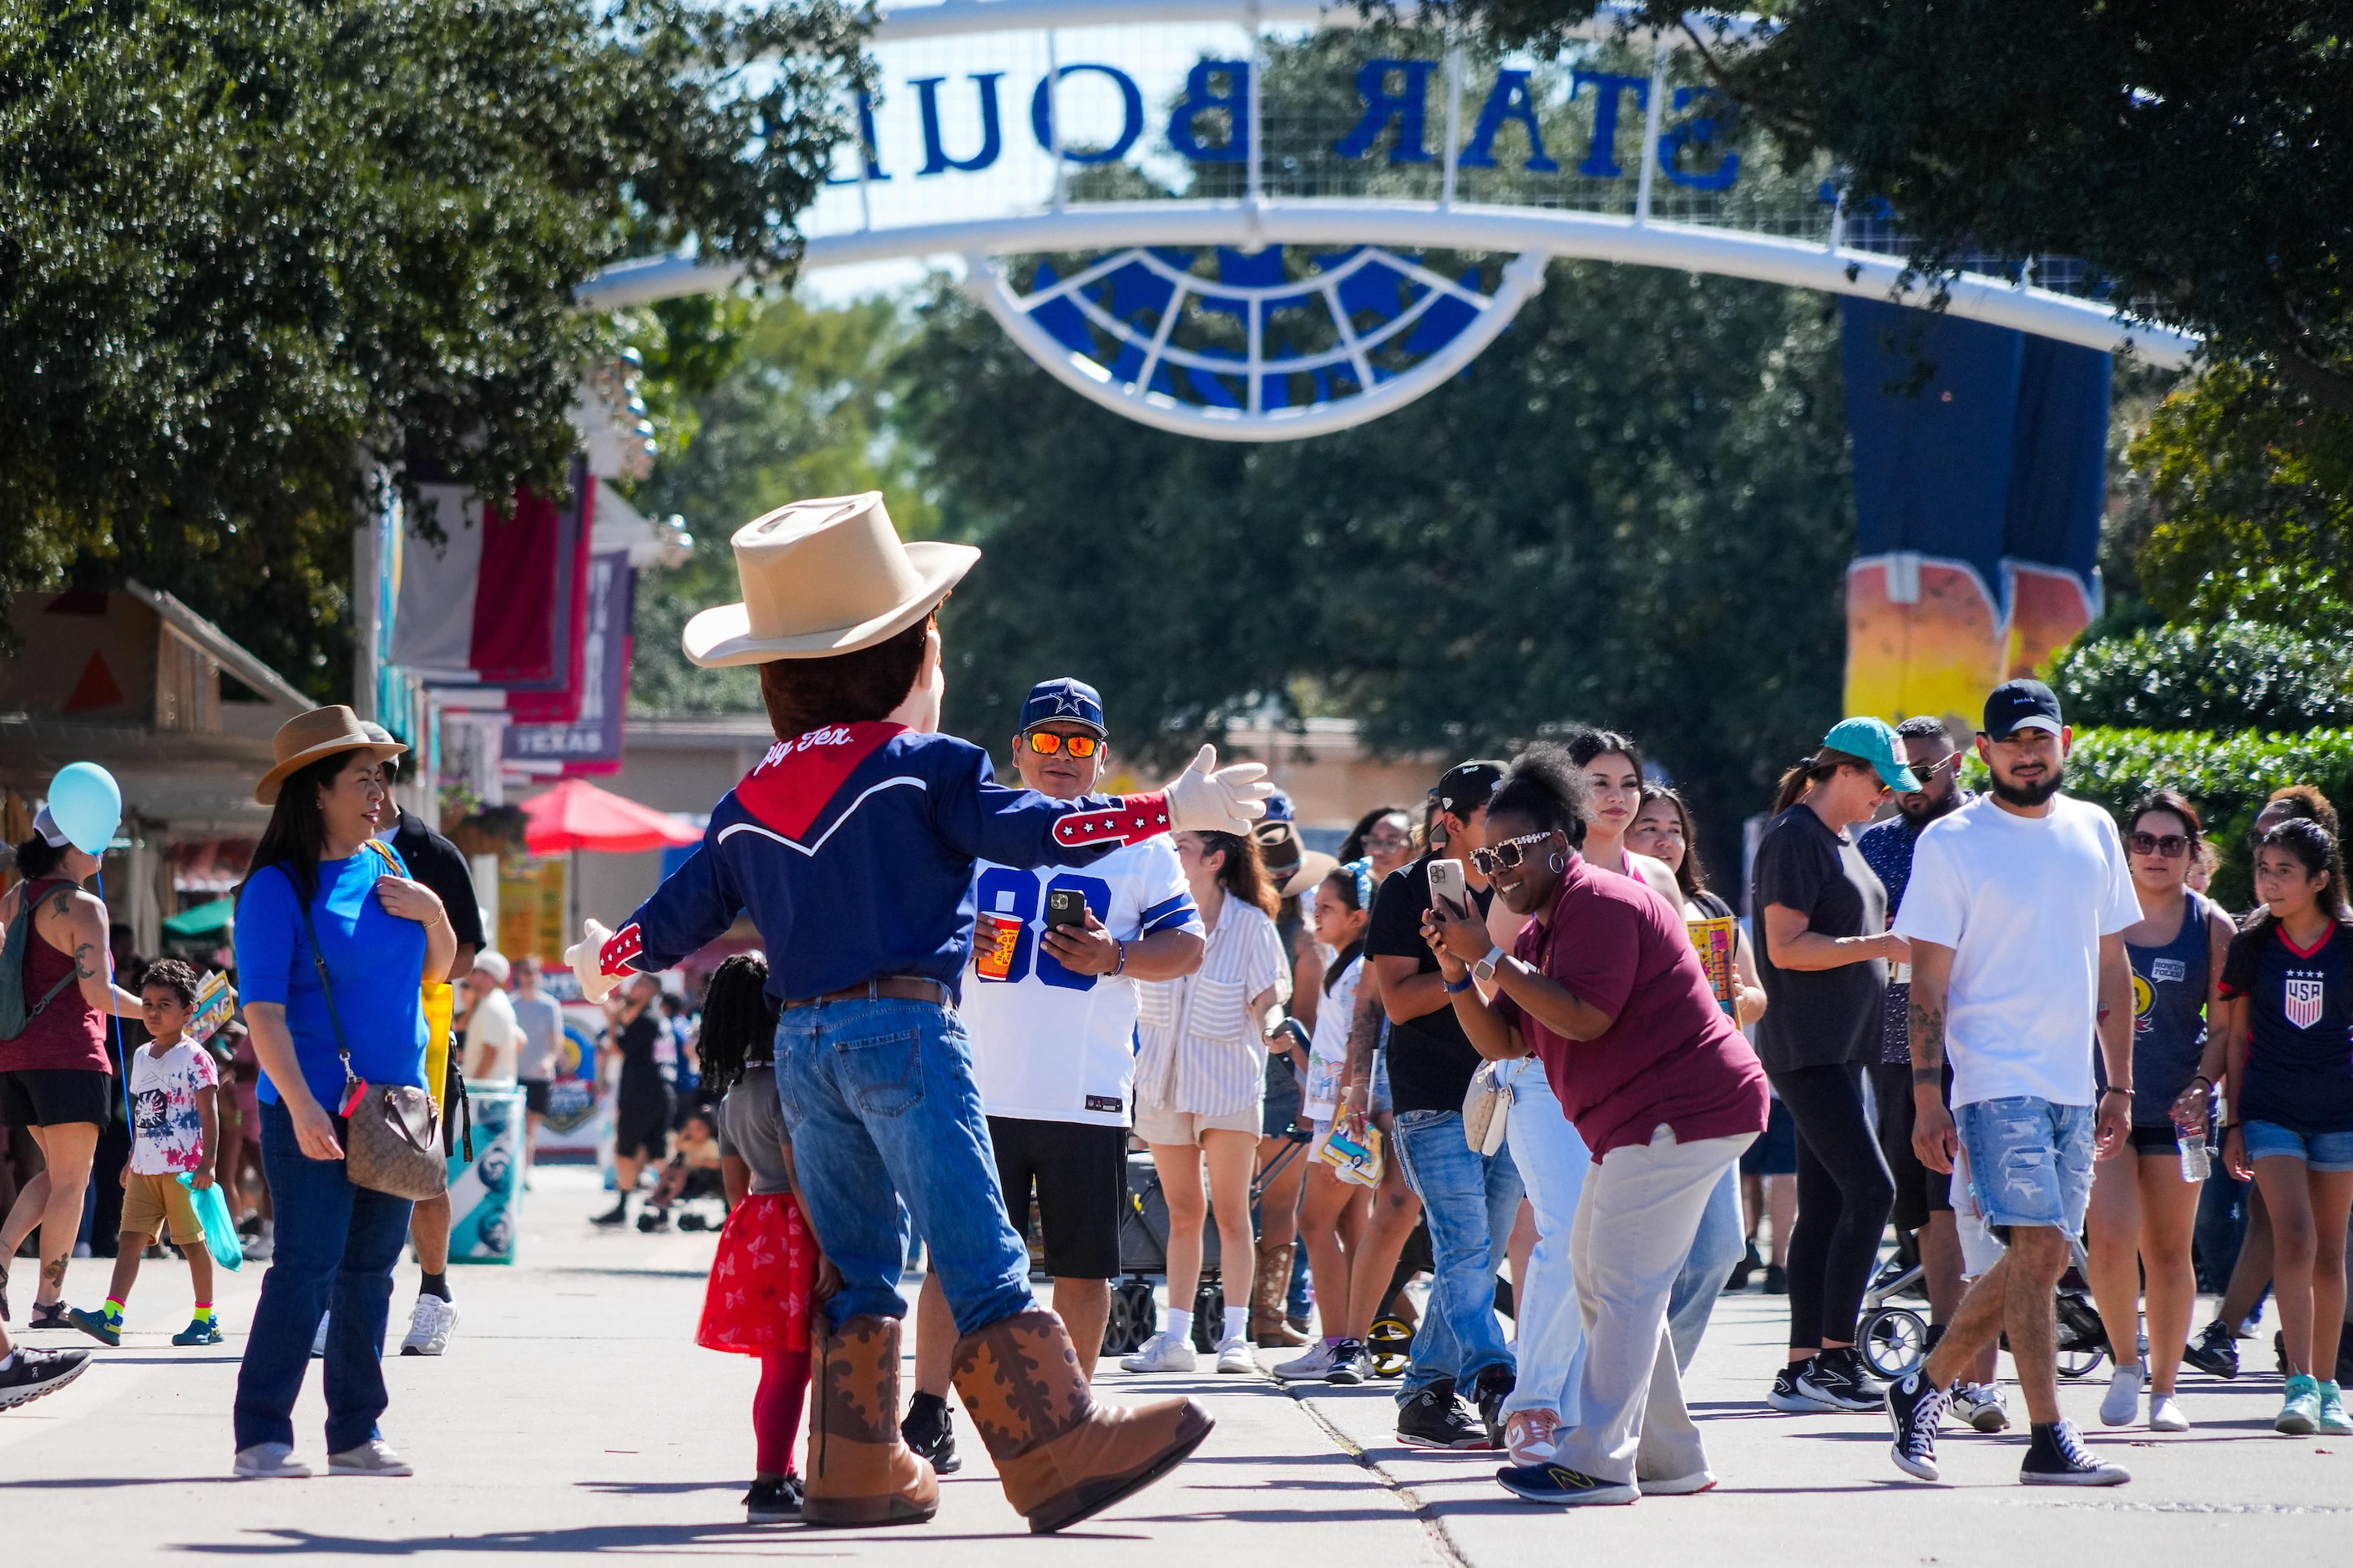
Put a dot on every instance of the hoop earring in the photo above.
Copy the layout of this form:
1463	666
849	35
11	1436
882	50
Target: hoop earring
1559	862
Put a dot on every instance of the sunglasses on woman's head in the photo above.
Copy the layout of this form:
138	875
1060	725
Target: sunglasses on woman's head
2172	846
1506	856
1045	743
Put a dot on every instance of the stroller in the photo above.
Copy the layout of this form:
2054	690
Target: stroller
1144	1253
1893	1340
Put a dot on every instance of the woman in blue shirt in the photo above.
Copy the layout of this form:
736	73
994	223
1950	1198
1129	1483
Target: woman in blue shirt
319	889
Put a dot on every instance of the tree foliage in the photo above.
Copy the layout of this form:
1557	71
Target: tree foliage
2231	676
253	246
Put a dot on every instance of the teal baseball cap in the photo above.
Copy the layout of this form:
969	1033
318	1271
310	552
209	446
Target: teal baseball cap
1874	741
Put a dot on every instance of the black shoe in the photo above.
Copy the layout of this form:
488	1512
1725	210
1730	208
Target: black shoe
36	1373
1777	1279
52	1316
1787	1396
1493	1386
3	1295
618	1214
931	1432
1434	1418
1839	1378
693	1221
773	1502
1915	1405
1347	1363
652	1221
2055	1456
2215	1351
2279	1351
1750	1263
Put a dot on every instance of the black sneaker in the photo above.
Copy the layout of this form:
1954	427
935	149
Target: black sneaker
2215	1351
1913	1407
1347	1363
2055	1456
619	1215
1434	1418
931	1432
1750	1263
1839	1379
1493	1386
36	1373
1777	1279
773	1502
1787	1396
651	1221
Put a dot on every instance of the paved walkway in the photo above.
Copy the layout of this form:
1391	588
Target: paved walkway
574	1419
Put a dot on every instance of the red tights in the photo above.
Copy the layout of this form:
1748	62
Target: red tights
776	1408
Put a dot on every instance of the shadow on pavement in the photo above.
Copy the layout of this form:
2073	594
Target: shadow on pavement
631	1537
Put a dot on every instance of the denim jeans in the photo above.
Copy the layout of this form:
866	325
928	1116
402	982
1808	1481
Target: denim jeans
1718	1245
337	1246
1552	1163
2030	1161
886	1123
1469	1202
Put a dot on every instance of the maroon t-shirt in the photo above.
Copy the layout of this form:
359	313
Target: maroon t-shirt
1670	1054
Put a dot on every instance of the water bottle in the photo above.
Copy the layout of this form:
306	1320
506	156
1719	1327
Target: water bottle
2195	1163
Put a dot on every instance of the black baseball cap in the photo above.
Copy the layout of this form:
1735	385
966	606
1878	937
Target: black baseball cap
1467	786
2017	705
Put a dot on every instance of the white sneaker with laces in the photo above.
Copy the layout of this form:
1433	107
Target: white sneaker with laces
319	1340
1981	1406
1163	1352
1311	1367
270	1462
2122	1402
430	1326
1234	1355
2165	1414
372	1458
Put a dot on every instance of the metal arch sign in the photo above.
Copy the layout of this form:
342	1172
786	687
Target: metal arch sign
1259	220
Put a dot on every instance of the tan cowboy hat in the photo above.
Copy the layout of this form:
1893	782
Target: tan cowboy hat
1314	867
320	732
824	577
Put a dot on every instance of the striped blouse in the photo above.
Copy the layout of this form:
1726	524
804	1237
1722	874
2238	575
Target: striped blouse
1202	1051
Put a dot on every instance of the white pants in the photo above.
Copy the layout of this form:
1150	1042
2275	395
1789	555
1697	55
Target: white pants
1553	1161
1634	1228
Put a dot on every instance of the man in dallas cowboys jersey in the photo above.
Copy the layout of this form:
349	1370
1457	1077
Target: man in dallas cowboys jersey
1053	1050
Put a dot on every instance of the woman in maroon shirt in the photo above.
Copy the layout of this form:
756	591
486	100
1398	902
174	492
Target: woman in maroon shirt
1605	988
55	1080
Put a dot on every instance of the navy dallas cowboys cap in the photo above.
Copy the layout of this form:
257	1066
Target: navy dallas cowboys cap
1067	701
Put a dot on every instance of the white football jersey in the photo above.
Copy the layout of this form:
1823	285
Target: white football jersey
1049	1045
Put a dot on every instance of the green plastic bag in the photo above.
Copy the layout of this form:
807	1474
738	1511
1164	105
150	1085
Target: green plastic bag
220	1226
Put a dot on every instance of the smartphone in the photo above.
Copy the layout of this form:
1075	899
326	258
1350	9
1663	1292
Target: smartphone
1294	1031
1065	907
1449	888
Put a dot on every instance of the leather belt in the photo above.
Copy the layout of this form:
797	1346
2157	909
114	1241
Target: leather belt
889	987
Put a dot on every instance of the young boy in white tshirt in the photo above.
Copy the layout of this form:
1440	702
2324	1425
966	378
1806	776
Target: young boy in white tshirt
174	1127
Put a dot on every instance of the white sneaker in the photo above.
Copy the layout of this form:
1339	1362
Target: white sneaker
1311	1367
319	1340
1982	1405
270	1462
1163	1352
2165	1414
372	1458
430	1326
1234	1355
2123	1401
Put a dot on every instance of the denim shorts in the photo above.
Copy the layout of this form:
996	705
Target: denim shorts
2030	1161
2320	1151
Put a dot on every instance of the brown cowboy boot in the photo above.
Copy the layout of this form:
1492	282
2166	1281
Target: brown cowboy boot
861	1471
1061	1455
1269	1326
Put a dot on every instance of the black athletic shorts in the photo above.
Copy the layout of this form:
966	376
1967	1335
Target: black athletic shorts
1080	1172
641	1123
2162	1139
534	1095
53	1097
1919	1191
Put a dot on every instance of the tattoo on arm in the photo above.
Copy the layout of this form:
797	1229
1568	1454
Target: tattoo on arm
1927	1040
88	963
1363	1034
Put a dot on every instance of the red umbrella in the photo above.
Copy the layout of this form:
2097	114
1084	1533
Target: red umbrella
576	814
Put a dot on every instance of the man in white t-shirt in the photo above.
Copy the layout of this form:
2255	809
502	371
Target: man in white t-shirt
1051	1010
494	1035
2015	914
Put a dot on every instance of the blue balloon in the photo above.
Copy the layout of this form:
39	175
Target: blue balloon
87	806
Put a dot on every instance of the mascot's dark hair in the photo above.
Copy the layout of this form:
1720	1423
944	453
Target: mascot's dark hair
804	694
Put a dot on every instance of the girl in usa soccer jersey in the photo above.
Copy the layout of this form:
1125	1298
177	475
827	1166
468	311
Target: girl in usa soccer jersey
2287	989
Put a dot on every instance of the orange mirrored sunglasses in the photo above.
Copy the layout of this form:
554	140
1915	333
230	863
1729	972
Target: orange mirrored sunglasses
1045	743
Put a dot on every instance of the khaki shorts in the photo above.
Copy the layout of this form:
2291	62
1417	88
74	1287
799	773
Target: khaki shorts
148	1201
1158	1124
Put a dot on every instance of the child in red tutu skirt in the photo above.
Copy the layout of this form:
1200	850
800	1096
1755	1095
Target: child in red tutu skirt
762	1280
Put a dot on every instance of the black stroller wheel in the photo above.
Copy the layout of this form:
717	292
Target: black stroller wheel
1119	1325
1209	1315
1143	1314
1389	1346
1893	1341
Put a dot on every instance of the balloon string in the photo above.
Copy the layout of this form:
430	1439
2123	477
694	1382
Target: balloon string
129	1121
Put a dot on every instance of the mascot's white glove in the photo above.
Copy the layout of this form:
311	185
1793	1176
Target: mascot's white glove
1206	798
587	960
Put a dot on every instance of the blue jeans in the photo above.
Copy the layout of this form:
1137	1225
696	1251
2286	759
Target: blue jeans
1469	1202
2030	1161
337	1246
886	1123
1718	1245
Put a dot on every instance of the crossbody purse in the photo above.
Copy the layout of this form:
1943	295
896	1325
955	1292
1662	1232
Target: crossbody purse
1486	1110
392	1143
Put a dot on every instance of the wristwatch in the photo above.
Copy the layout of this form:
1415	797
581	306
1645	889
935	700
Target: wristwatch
1484	970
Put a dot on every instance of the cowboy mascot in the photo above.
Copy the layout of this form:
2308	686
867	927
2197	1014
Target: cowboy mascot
852	847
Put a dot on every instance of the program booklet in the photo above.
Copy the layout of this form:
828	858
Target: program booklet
215	1002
